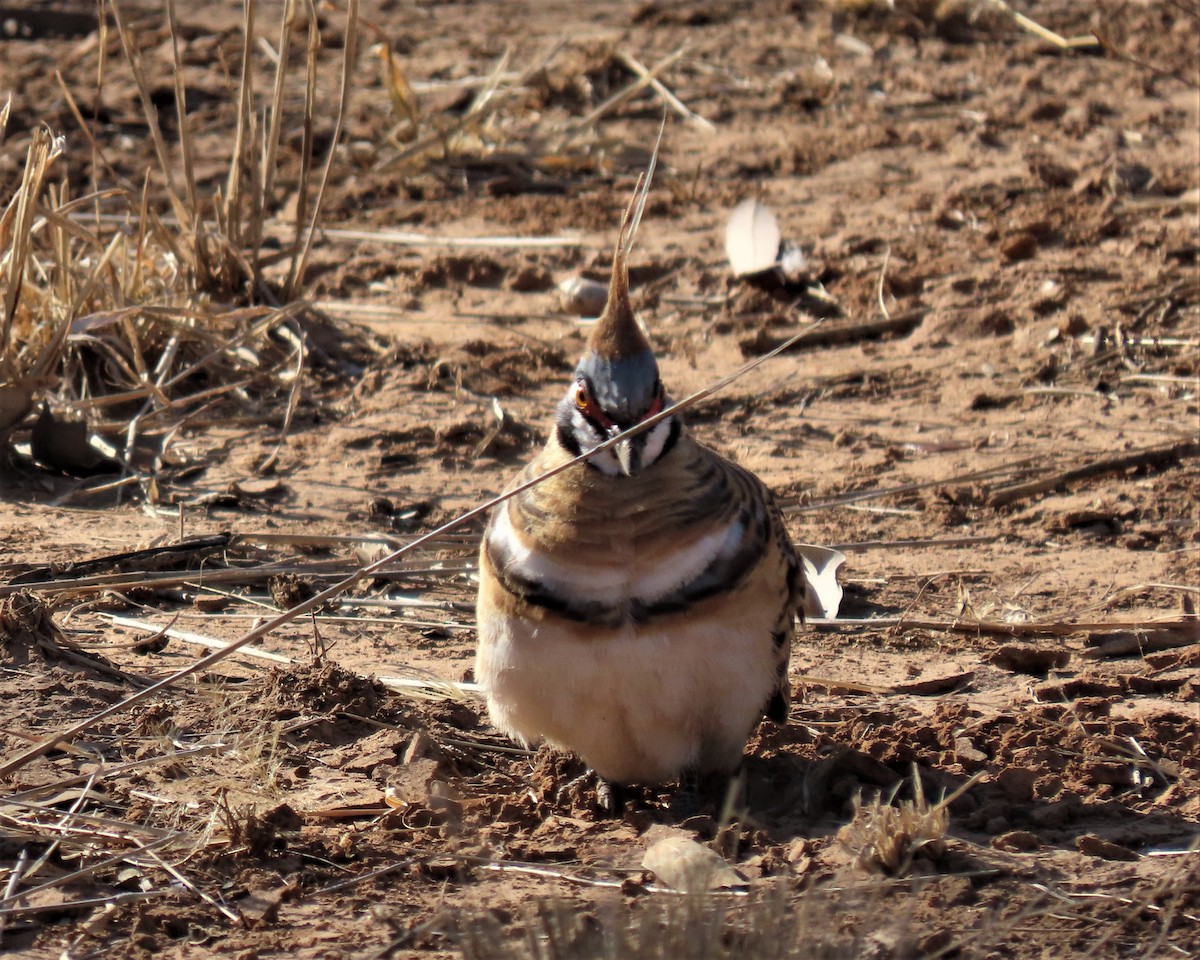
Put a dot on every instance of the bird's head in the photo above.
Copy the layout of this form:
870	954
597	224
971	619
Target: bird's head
616	387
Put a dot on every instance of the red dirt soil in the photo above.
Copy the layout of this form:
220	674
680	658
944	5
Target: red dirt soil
1031	211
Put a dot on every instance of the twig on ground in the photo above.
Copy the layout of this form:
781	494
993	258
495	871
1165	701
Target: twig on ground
405	238
831	334
87	871
916	544
883	310
105	772
434	689
181	878
90	903
1110	48
845	686
153	558
1044	33
626	93
1193	382
672	101
196	638
1155	457
1029	628
1021	467
1137	641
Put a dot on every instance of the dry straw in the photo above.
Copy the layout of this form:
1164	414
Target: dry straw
136	319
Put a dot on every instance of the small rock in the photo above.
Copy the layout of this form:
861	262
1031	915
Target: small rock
1132	178
966	751
1057	813
941	678
206	603
1115	774
991	401
1100	704
1020	246
530	279
583	297
421	747
1085	689
261	906
683	864
1093	846
1073	325
1048	786
798	849
664	831
953	892
1135	541
414	782
290	590
1017	782
1016	841
934	943
1053	173
1161	682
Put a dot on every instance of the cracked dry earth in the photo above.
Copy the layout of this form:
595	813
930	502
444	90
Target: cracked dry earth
1011	471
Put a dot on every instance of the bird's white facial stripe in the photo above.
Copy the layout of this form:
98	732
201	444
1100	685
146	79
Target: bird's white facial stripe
616	583
588	439
655	441
606	460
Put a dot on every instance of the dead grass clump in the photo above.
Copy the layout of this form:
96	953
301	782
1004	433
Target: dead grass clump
28	347
889	837
138	308
221	238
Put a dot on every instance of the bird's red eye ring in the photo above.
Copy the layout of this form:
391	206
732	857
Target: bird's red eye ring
588	406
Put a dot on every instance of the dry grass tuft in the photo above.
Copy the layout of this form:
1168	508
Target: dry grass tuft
221	239
138	320
888	838
32	332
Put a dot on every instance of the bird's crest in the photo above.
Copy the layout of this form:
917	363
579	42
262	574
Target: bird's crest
617	333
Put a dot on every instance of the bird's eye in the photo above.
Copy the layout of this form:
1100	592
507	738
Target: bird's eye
582	399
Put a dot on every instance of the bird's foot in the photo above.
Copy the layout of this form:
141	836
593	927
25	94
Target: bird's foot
723	794
563	793
610	797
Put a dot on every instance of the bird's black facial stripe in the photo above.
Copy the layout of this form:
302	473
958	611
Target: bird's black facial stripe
580	427
566	436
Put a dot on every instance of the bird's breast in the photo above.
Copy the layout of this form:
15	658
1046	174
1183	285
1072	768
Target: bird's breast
613	571
610	551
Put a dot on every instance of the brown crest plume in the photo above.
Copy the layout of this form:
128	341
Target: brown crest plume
617	333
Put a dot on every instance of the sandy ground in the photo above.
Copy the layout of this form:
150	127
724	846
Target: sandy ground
1012	472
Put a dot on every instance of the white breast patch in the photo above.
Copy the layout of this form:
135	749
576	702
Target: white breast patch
613	584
